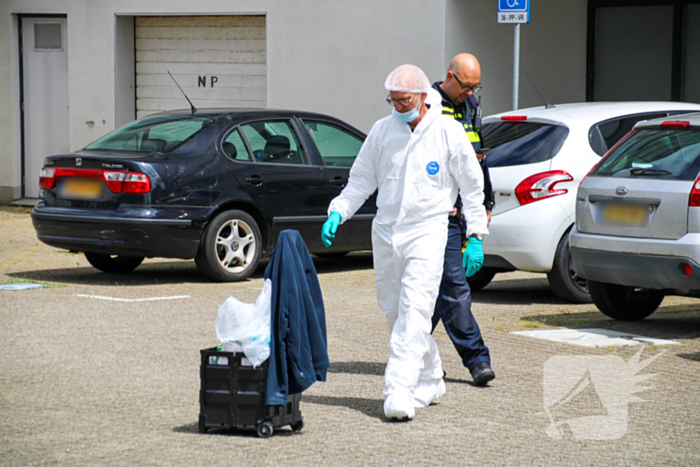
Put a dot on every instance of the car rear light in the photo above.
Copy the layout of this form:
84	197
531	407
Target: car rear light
114	181
136	183
117	182
688	269
514	118
541	186
47	178
675	124
127	182
695	194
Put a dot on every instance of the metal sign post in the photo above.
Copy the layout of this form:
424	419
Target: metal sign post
514	12
516	66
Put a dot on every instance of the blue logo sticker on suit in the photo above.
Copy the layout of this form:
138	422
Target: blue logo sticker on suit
433	168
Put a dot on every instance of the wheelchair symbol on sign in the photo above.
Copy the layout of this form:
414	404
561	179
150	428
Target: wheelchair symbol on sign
515	3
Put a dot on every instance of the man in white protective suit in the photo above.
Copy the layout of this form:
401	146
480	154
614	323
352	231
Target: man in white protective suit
418	159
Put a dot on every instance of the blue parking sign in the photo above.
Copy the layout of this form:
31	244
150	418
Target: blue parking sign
513	11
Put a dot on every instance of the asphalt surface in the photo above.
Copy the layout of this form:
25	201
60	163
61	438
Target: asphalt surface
91	381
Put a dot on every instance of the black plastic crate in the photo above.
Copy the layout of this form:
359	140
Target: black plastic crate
232	395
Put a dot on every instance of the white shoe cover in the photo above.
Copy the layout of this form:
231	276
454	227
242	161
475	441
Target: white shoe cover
398	407
427	392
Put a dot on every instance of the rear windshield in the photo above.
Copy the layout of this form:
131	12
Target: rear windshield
161	133
522	143
654	153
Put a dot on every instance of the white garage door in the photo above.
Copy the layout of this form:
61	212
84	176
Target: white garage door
219	61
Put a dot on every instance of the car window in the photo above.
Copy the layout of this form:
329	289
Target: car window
338	147
596	141
234	147
161	133
522	143
611	131
654	153
274	142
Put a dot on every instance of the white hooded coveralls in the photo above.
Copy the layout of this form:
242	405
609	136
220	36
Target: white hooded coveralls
418	174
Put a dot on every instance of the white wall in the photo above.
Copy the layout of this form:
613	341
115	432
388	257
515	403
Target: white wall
345	50
125	71
10	172
552	50
323	56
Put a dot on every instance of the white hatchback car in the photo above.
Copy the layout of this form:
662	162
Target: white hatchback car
538	158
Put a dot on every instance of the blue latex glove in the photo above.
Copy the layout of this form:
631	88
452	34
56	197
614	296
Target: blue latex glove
473	256
329	228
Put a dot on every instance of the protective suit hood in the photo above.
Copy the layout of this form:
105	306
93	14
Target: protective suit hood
434	100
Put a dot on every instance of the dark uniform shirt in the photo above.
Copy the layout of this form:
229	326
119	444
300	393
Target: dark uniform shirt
464	114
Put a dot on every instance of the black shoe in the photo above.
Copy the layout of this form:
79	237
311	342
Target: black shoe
482	373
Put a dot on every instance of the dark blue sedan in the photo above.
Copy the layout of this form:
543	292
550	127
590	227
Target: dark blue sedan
217	185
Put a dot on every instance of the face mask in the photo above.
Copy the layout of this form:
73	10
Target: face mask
410	115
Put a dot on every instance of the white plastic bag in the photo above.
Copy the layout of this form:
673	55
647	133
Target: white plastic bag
247	324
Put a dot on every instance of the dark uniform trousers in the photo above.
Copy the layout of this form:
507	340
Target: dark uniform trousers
454	302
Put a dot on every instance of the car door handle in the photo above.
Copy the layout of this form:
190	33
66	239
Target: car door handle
337	181
255	180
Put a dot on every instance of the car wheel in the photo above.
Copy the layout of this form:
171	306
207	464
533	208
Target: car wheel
115	264
565	282
623	302
481	279
231	247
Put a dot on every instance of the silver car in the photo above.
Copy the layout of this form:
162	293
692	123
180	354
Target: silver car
637	232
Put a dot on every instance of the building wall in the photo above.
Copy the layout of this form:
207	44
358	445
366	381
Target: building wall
330	57
344	49
552	50
10	168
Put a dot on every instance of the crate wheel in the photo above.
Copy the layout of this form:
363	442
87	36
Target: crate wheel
202	425
298	426
265	430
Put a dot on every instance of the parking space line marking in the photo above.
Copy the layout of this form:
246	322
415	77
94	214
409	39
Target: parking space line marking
115	299
595	337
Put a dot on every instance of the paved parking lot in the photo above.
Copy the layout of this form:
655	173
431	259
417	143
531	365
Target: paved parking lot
90	381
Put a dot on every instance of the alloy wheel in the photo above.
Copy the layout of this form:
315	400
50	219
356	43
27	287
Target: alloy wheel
235	245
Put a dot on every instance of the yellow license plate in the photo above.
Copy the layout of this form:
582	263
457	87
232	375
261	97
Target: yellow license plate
81	188
624	213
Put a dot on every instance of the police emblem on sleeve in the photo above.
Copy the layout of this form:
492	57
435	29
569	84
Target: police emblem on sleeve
432	168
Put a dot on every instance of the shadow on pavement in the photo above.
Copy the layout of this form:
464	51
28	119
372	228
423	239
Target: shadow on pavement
370	407
674	322
518	292
377	369
189	428
358	368
175	272
690	356
351	262
193	428
467	382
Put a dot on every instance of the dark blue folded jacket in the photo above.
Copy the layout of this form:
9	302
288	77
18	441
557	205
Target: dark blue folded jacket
298	345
